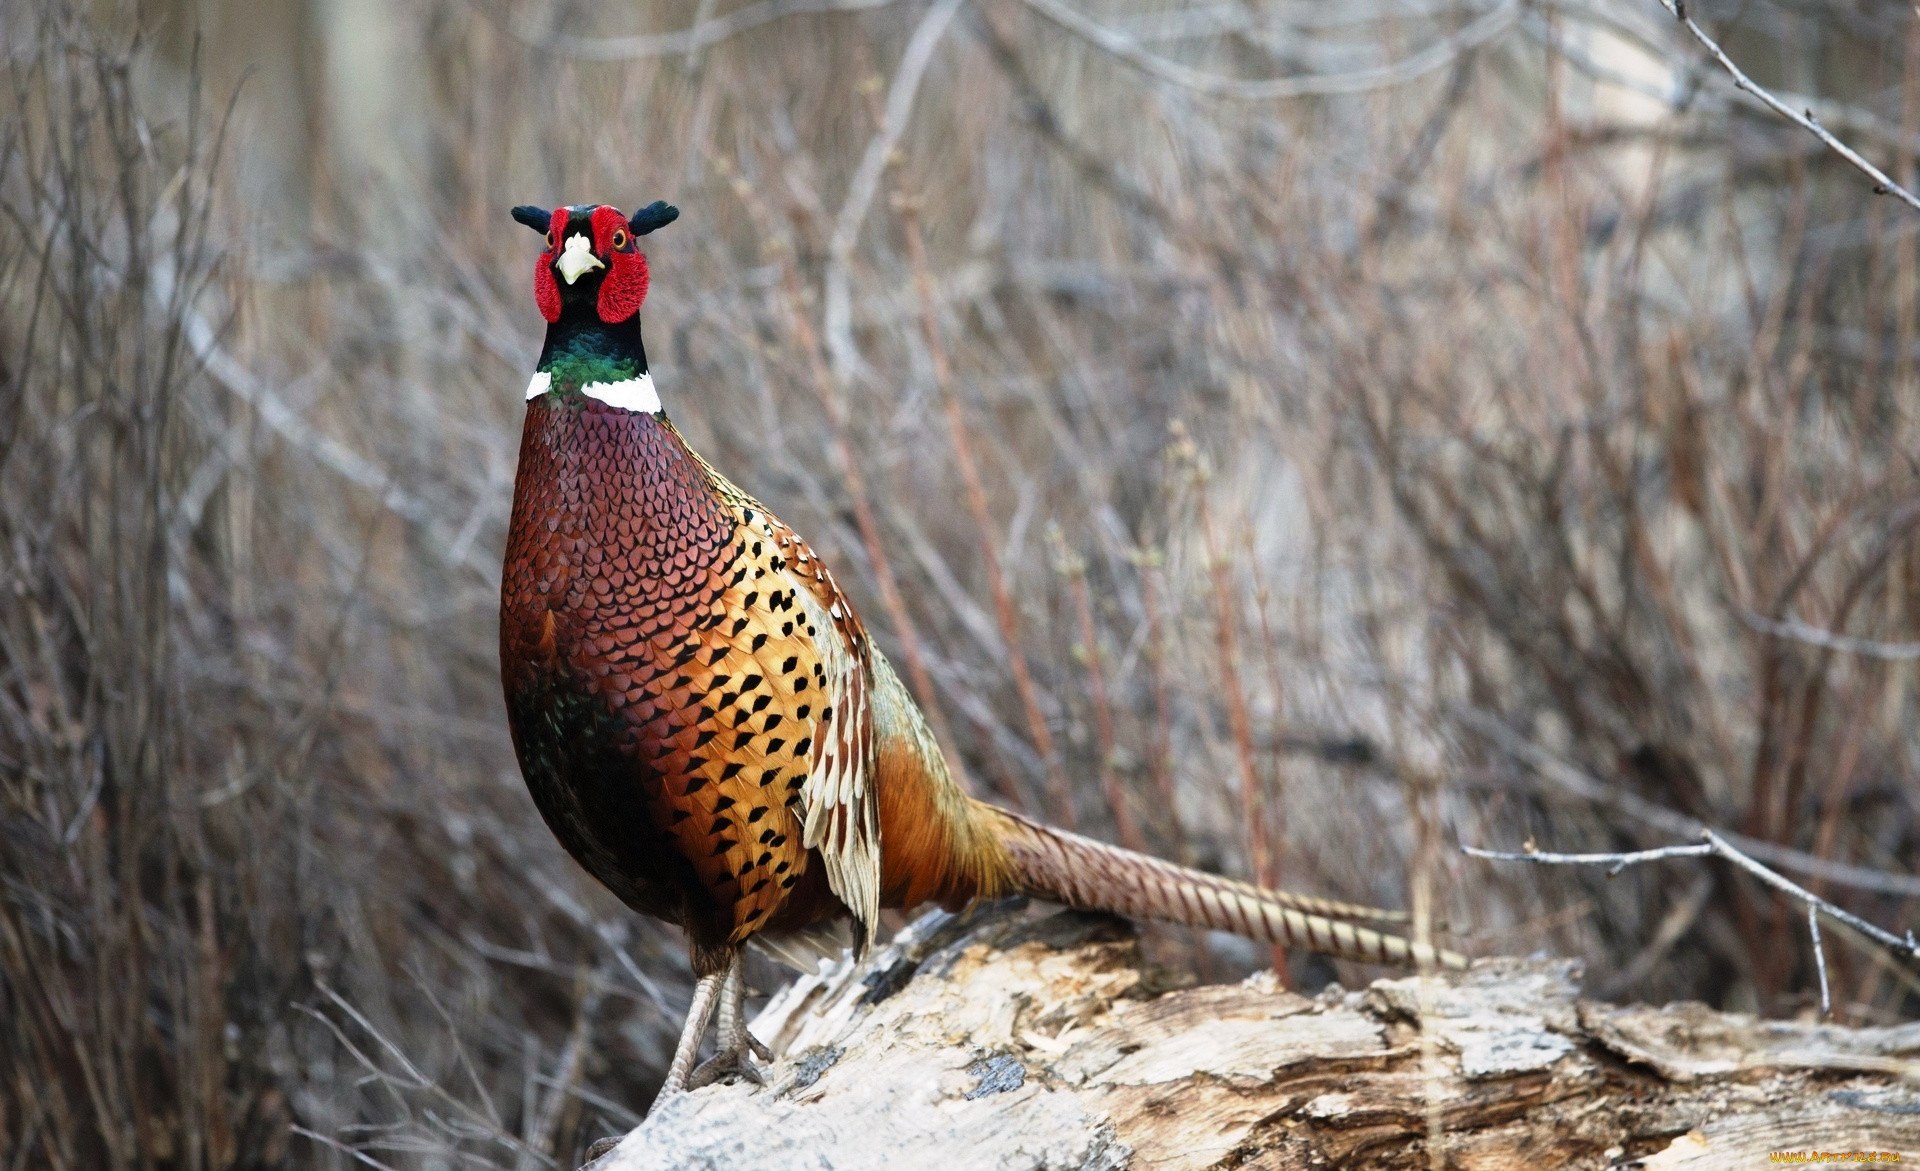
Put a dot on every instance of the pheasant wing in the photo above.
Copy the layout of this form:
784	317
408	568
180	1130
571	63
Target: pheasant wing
838	803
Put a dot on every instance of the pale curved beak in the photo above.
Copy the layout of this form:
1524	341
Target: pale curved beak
577	259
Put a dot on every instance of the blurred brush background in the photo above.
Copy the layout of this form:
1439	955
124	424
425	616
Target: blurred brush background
1296	439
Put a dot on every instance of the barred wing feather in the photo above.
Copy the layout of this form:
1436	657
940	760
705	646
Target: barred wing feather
839	802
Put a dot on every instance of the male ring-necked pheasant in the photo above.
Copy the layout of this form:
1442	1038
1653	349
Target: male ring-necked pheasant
702	718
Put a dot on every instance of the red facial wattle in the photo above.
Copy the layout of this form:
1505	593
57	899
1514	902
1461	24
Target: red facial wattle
624	287
546	290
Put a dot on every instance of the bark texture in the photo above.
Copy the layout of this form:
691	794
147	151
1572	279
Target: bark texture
1010	1042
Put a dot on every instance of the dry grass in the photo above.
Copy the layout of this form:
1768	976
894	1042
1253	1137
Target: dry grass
1298	485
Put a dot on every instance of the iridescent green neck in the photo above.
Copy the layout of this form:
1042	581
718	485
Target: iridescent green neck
570	371
581	349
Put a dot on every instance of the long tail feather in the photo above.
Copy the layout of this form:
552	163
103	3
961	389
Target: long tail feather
1080	872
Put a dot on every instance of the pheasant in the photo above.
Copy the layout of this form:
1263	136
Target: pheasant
702	718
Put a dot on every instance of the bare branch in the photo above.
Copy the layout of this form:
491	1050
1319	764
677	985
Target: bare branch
335	1144
1882	184
1712	843
1219	20
866	182
1614	863
1819	958
1482	29
1839	115
1799	631
688	40
1570	779
1908	946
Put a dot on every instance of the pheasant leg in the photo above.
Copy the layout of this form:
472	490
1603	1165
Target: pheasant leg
696	1028
738	1047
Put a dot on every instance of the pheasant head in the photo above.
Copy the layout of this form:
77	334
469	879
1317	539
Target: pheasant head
590	281
592	259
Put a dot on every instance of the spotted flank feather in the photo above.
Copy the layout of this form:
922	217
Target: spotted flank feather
841	809
838	804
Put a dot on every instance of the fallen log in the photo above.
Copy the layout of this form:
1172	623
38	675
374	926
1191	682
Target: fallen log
1003	1040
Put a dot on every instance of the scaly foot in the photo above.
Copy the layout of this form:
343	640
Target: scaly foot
735	1063
738	1047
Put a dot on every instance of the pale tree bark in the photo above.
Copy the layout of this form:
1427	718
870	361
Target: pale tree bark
1015	1042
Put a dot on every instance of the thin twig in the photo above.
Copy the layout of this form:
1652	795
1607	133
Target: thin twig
1793	628
1819	958
1714	844
1614	863
1074	568
1059	788
1882	183
335	1144
700	35
1482	29
1160	761
1261	862
1590	788
1908	946
838	314
545	1124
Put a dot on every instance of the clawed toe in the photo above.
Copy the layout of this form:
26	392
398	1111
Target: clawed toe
738	1047
736	1064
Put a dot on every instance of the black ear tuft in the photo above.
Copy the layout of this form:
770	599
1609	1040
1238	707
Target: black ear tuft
657	214
537	218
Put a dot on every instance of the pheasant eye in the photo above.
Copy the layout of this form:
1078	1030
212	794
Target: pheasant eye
550	240
619	237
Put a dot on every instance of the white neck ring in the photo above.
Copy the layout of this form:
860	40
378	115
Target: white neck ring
629	394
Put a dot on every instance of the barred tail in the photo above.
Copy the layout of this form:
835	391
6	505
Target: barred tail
1080	872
